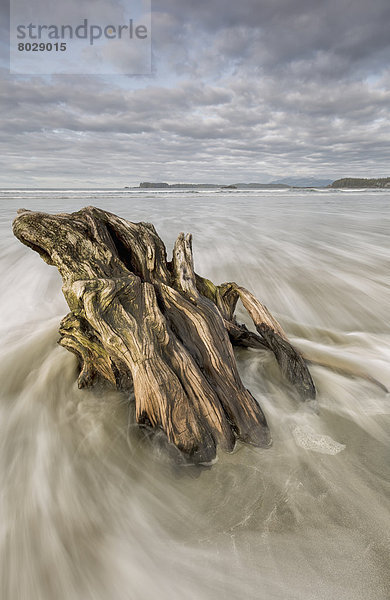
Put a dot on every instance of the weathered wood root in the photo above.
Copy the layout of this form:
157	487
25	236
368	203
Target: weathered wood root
272	336
138	320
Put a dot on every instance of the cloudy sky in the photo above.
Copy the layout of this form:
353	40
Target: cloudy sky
249	90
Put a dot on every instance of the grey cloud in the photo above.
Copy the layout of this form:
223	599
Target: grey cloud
276	33
240	91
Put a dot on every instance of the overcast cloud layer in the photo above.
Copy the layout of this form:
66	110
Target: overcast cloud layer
241	91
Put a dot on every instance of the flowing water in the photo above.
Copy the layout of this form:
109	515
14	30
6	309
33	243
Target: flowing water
92	509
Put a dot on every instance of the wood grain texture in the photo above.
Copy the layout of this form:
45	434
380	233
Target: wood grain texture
141	322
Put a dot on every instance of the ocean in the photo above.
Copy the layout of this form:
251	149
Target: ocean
92	509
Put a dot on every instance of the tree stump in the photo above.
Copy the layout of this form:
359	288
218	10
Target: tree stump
139	321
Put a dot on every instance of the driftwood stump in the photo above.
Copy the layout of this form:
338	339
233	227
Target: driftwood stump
137	320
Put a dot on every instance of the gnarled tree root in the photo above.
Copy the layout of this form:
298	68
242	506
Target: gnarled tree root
140	321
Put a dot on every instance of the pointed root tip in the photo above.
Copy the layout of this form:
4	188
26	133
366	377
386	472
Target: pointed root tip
257	436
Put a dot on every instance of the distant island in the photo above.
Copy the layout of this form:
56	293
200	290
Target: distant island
353	182
278	184
209	186
287	183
